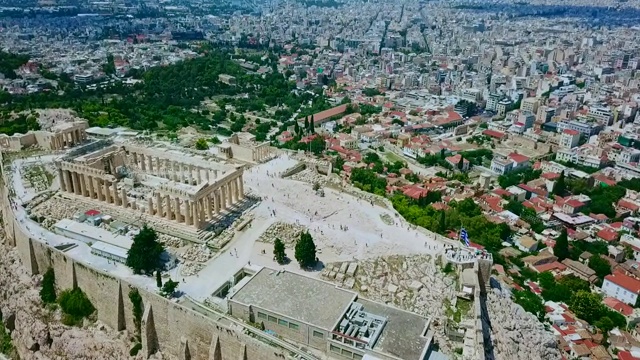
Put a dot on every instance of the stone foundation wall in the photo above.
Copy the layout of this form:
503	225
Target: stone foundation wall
167	327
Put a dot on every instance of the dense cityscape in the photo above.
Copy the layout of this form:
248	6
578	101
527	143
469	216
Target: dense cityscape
320	179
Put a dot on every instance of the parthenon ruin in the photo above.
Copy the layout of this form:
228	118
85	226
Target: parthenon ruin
182	189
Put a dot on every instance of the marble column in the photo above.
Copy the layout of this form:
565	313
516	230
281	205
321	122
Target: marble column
143	162
208	206
149	204
176	209
100	190
203	212
187	212
150	164
199	174
234	191
116	196
216	202
63	184
240	187
223	197
76	185
206	174
190	174
83	185
195	213
158	204
107	195
92	192
167	168
123	197
68	181
167	199
181	173
174	168
134	157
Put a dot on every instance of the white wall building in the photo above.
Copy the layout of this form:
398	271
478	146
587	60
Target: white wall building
622	287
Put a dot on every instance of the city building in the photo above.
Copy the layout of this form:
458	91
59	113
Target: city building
323	316
622	287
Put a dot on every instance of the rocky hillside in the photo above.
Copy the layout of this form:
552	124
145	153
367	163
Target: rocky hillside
37	333
515	333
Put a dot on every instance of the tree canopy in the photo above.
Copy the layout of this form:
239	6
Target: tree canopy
144	255
305	251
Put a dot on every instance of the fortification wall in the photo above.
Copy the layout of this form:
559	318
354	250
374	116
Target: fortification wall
168	327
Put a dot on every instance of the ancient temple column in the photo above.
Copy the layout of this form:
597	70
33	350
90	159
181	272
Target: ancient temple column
223	197
76	183
207	205
187	212
83	185
167	199
107	194
150	163
167	168
206	174
234	191
199	174
181	172
100	190
134	157
91	190
196	213
240	187
176	209
143	162
150	204
67	180
63	184
123	197
116	196
216	202
158	204
190	167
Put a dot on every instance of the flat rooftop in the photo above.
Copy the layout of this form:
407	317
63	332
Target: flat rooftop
402	334
298	297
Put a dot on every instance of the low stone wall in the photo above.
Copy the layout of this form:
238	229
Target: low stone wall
167	327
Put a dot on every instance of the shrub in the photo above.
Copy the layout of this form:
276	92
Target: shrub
48	291
134	350
75	306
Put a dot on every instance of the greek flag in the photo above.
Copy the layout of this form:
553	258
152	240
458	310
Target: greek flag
464	237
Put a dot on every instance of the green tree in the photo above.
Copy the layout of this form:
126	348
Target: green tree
278	251
144	255
600	266
461	163
605	324
560	187
546	280
442	224
317	145
587	306
530	302
48	291
201	144
561	249
75	305
338	163
158	279
305	251
306	124
214	140
169	288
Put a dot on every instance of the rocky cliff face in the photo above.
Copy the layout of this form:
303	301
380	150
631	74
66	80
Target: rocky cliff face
515	333
36	331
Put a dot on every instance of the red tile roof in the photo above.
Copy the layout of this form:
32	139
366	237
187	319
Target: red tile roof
628	205
624	281
618	306
608	234
574	203
551	266
550	176
571	132
518	158
625	355
494	133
